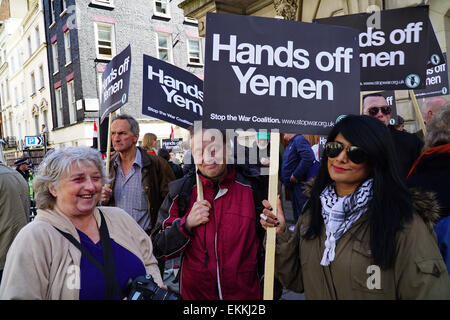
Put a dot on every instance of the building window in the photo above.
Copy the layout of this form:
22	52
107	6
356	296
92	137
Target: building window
22	91
67	47
59	110
19	60
162	8
16	97
52	13
72	102
37	37
55	57
107	3
13	65
30	48
194	52
41	77
190	20
7	90
33	84
165	47
3	96
36	124
105	40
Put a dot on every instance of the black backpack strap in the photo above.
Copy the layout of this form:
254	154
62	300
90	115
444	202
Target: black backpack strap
109	268
108	261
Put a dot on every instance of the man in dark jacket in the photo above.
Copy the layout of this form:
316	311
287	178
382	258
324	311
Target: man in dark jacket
139	180
22	167
408	146
14	209
219	237
297	160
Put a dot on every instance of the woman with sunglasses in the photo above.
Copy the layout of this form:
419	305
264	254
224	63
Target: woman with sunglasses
362	234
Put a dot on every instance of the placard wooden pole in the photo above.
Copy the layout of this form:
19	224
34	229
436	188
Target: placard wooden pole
418	113
108	144
199	186
269	269
361	106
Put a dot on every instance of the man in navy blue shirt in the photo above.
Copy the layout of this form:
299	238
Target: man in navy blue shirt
297	160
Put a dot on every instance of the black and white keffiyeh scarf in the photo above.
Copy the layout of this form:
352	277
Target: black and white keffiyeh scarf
339	213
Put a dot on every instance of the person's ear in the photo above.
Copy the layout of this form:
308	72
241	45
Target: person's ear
52	189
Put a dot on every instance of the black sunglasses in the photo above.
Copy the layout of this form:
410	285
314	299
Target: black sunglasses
373	111
355	154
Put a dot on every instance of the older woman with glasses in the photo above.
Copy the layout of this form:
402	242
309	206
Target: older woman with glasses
74	249
363	234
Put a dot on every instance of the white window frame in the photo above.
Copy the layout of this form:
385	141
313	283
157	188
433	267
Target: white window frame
55	57
161	14
113	40
22	91
190	20
33	83
52	13
200	63
13	65
8	93
2	95
30	46
105	3
63	7
169	46
36	123
16	97
72	102
67	47
59	109
37	36
41	77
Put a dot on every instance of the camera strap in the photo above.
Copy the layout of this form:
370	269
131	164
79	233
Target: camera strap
108	269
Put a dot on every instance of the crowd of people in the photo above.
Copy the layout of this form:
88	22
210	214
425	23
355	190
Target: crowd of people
371	215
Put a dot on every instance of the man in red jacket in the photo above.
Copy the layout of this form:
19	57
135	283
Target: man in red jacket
219	238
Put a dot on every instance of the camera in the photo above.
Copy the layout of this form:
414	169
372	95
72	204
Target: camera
145	288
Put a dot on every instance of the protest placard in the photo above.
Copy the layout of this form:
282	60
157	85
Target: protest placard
170	93
170	144
437	79
116	83
394	51
278	74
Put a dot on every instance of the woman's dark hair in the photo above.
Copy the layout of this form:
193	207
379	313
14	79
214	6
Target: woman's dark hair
390	206
164	153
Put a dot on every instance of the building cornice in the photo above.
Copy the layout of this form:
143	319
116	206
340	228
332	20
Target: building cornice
34	8
35	54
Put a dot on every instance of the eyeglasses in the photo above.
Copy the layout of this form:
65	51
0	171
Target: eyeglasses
373	111
356	154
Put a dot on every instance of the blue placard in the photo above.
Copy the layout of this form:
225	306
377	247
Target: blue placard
170	93
116	83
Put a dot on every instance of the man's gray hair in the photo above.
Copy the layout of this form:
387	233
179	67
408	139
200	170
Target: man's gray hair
134	125
438	129
56	165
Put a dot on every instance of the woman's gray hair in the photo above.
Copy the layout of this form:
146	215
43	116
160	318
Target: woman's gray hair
56	165
134	125
438	128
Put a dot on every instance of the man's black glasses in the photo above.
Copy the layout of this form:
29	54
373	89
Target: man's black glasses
355	154
373	111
